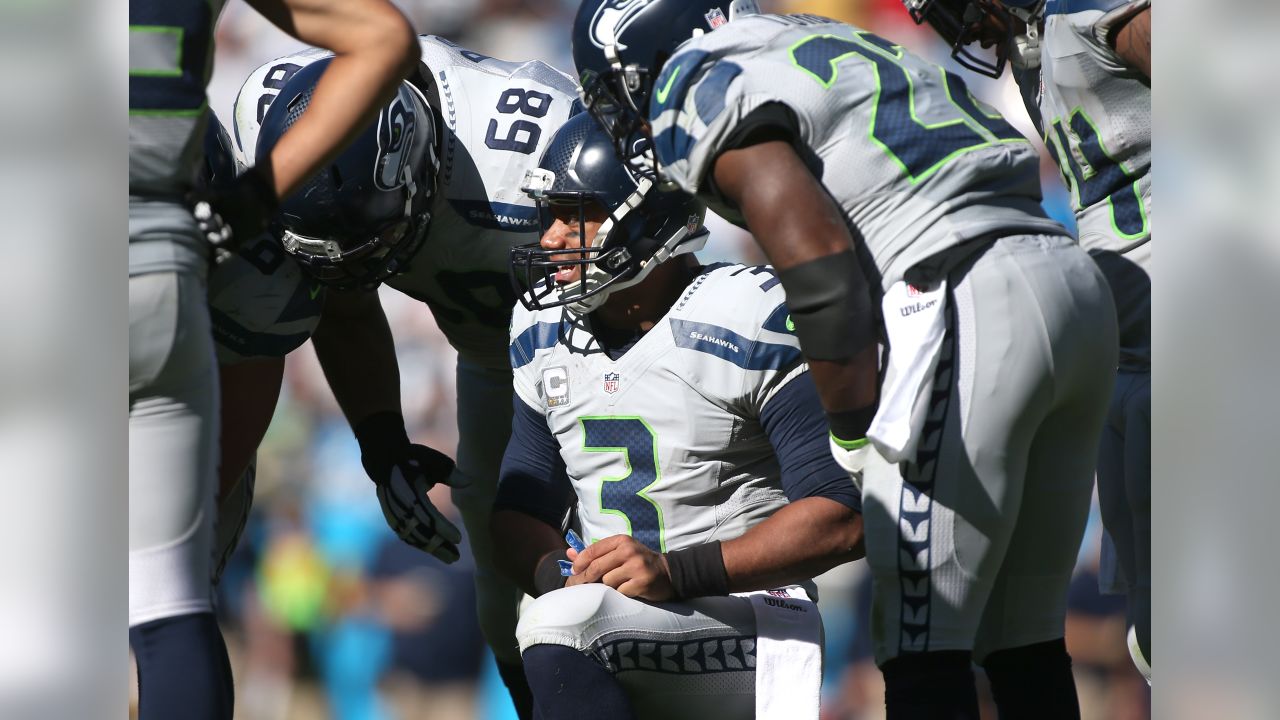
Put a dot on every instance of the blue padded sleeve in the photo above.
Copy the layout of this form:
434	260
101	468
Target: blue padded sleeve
797	429
533	478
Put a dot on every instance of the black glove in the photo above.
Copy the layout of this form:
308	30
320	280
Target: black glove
230	214
403	473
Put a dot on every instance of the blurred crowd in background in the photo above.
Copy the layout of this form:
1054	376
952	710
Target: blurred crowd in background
327	614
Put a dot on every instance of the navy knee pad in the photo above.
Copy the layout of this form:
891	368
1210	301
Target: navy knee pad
568	685
518	687
183	669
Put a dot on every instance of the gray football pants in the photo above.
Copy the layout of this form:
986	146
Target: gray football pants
173	438
685	660
972	546
484	426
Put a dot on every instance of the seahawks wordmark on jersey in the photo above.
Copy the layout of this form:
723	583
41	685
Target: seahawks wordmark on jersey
497	117
1094	113
665	443
917	163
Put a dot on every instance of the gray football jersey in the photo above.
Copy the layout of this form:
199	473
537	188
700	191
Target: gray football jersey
496	117
915	161
665	443
1095	115
170	61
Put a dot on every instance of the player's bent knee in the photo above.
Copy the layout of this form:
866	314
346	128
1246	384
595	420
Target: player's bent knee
183	670
572	616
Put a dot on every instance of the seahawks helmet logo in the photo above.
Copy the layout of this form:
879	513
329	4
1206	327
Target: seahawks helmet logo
612	19
396	126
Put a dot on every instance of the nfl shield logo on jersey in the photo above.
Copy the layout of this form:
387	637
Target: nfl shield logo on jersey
715	18
611	382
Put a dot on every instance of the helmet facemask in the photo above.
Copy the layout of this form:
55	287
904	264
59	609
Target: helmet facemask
961	24
605	260
369	262
617	100
580	179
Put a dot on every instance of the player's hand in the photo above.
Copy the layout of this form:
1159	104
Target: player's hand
624	564
402	491
237	211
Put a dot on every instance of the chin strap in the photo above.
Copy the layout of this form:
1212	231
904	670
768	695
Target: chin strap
1026	46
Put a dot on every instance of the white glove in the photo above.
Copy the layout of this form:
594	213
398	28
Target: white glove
852	456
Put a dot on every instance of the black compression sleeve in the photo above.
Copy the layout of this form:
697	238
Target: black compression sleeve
830	305
698	571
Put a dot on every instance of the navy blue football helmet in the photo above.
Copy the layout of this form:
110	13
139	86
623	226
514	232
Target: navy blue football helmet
644	226
360	220
964	24
620	46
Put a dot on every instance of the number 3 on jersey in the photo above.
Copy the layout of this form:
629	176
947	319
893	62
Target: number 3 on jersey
624	494
526	102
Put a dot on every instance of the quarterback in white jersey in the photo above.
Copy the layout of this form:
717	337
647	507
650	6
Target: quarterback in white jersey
1084	70
898	210
664	413
427	201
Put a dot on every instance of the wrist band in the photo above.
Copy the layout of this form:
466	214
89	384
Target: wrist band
382	439
547	577
848	425
698	571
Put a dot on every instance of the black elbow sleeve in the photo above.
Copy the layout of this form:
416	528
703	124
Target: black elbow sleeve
830	306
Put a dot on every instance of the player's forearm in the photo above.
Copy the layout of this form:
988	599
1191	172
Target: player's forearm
357	353
803	232
802	540
374	49
1133	42
521	542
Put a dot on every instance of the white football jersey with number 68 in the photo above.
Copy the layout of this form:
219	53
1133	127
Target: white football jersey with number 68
494	120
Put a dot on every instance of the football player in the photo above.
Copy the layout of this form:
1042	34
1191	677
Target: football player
261	307
667	404
897	207
1085	75
427	200
173	392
